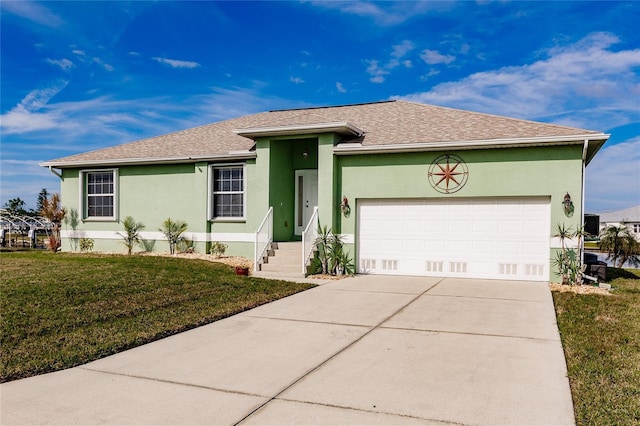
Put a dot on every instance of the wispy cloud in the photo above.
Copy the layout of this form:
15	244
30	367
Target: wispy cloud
174	63
611	187
296	80
34	12
340	87
385	13
26	116
378	71
64	64
433	57
103	64
588	76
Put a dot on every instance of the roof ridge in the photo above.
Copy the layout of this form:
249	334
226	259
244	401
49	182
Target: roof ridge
333	106
502	117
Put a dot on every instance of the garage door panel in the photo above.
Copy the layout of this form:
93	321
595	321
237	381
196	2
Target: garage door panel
484	238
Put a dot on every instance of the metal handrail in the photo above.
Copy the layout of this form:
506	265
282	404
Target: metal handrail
261	245
309	236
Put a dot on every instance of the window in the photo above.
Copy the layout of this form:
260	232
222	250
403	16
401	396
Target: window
100	194
227	192
636	228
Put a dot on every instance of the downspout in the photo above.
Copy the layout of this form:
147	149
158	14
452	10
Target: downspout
584	166
54	172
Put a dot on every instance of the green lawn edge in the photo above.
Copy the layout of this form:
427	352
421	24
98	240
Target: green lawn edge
62	310
601	340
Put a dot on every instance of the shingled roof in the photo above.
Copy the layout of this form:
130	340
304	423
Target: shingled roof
388	123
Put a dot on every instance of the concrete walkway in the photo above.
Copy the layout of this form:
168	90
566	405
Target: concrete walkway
366	350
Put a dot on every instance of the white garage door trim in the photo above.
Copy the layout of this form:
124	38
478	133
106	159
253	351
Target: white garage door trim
498	238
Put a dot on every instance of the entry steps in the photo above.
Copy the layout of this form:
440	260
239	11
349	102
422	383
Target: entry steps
283	260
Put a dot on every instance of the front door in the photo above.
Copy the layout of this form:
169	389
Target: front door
306	188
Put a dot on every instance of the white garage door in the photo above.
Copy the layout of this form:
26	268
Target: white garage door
506	238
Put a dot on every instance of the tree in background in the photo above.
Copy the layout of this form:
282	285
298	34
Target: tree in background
16	206
55	213
42	197
620	244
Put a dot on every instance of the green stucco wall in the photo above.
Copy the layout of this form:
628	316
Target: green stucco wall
153	193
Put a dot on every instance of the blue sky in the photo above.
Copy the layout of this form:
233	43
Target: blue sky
78	76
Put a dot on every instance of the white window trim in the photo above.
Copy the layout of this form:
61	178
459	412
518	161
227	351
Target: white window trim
210	193
84	194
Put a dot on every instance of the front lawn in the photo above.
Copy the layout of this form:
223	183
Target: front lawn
601	339
62	310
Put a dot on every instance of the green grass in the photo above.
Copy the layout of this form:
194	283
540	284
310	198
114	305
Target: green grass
62	310
601	340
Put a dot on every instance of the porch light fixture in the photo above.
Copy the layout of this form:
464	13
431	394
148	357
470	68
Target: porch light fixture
305	154
567	205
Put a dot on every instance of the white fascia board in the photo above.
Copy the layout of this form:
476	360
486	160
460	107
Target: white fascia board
357	148
234	155
342	127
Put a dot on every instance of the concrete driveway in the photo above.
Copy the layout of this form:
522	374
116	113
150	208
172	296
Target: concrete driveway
365	350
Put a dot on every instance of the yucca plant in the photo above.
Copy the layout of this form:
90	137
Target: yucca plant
173	231
132	233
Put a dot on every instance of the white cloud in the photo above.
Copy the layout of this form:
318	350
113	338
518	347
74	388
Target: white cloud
340	87
401	50
385	13
176	63
613	177
64	64
296	80
34	12
103	64
433	57
378	71
78	52
585	84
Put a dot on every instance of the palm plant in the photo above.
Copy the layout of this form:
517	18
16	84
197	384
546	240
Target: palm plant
568	260
173	232
55	213
132	233
323	244
330	253
620	244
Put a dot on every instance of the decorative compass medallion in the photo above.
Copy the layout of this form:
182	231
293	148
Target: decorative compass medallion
448	174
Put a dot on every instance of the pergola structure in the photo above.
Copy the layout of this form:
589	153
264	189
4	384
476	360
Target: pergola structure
20	230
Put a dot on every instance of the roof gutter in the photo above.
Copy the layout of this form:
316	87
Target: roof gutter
233	155
358	148
53	171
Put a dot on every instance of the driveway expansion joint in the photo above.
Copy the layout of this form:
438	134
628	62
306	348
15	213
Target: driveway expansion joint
171	382
469	333
362	410
289	386
307	321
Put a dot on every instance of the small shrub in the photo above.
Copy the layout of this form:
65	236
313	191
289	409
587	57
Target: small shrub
186	245
217	249
173	231
86	245
131	234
